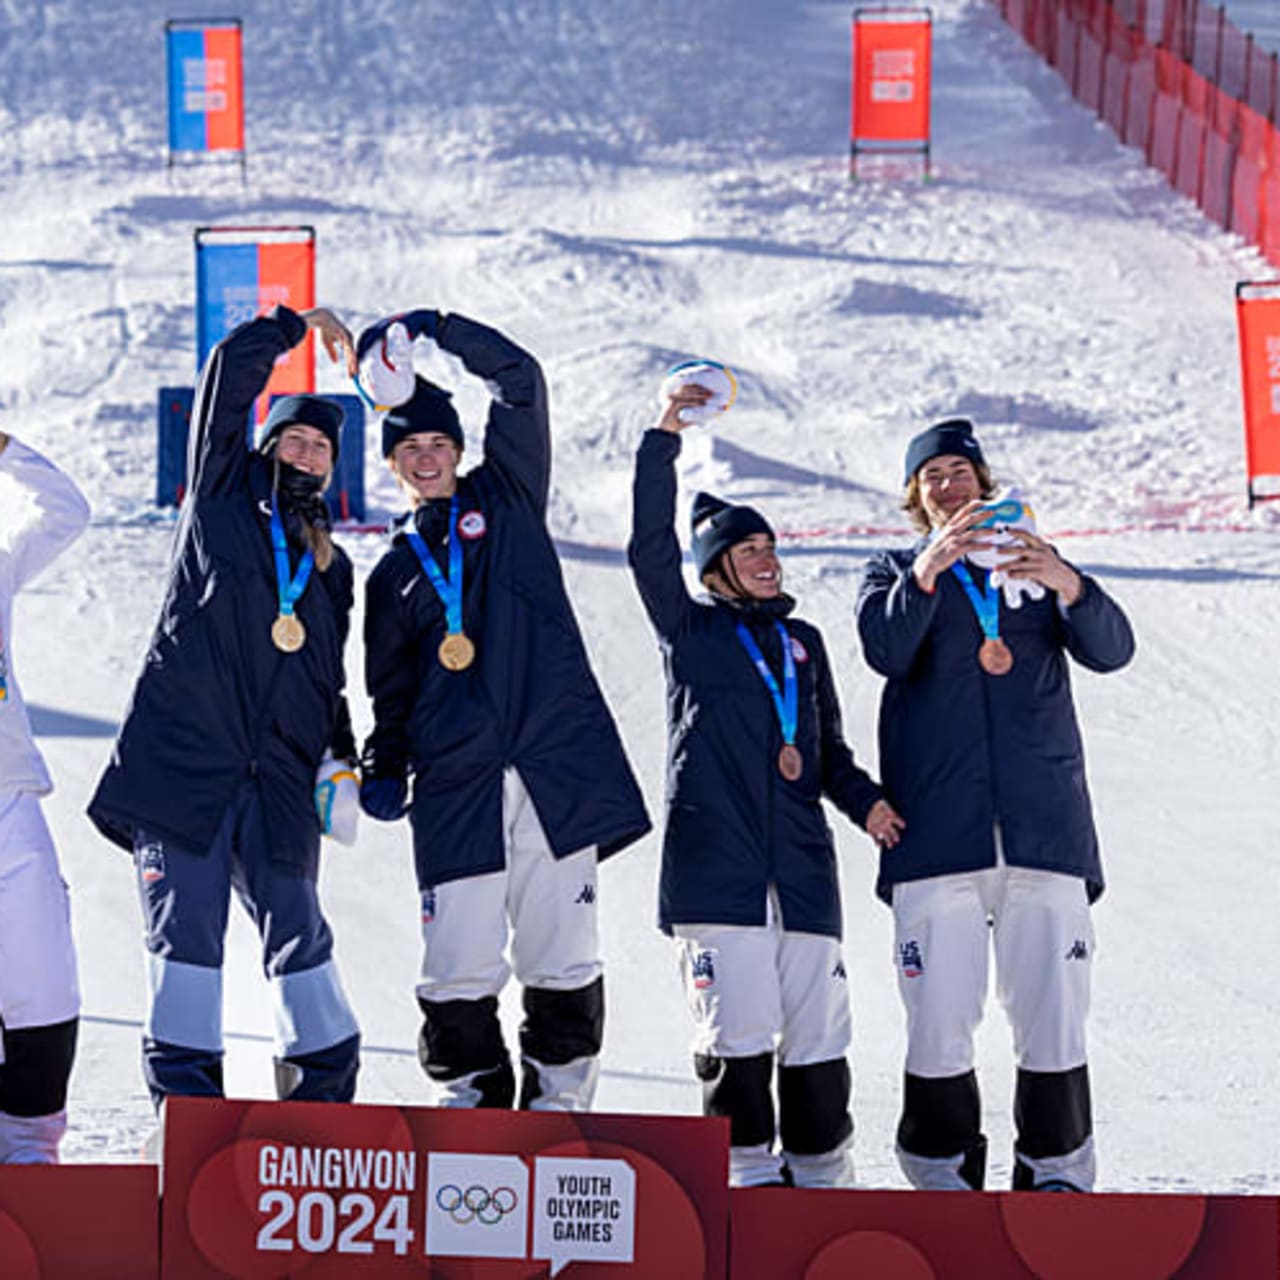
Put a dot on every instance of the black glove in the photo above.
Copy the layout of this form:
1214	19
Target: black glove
384	798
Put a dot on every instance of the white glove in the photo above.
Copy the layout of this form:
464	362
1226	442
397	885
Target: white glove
386	370
337	796
717	378
1007	510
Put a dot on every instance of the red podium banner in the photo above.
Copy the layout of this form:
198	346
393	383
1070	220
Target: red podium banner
941	1235
94	1222
891	82
259	1190
1258	314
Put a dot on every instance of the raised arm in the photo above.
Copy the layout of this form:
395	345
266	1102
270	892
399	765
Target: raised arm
894	612
1098	634
654	550
61	510
234	376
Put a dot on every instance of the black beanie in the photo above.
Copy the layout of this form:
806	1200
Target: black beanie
306	411
717	526
955	435
429	409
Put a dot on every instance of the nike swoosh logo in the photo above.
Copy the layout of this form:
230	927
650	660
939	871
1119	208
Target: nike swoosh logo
408	586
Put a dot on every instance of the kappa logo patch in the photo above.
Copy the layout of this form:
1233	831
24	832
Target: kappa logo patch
472	525
1079	950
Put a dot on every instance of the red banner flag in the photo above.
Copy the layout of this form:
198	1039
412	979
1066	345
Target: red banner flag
1258	314
891	81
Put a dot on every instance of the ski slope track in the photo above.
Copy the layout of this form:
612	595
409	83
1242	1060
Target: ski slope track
619	186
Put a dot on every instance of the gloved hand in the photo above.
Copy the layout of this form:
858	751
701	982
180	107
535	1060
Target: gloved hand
384	798
337	798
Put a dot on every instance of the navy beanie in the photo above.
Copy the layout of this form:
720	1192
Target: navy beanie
717	526
429	409
955	435
302	410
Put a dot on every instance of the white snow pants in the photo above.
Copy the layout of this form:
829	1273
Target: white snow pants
38	983
755	990
1040	926
545	907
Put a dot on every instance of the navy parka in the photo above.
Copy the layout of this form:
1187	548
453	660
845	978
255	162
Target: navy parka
217	705
529	700
961	750
734	824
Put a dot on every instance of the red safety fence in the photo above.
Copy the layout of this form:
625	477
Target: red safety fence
1178	79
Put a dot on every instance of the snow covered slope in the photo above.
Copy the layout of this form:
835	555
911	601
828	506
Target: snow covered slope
617	186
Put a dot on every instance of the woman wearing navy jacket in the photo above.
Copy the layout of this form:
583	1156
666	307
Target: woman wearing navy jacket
749	884
211	783
980	750
483	692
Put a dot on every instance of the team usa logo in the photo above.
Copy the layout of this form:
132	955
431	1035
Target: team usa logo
703	969
151	863
428	905
798	651
471	525
910	959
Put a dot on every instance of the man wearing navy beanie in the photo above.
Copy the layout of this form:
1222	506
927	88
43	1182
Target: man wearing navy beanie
483	695
982	755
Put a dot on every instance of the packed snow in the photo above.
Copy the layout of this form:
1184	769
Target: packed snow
619	187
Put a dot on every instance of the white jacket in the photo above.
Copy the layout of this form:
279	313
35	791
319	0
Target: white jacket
26	547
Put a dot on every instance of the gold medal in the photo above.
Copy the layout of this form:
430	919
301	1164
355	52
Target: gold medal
995	658
790	762
287	633
456	652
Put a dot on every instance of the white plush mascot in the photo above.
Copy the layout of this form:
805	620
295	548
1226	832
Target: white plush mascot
385	379
717	378
1007	510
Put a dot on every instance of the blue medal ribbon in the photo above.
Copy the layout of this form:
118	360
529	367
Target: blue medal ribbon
986	603
448	589
289	587
786	700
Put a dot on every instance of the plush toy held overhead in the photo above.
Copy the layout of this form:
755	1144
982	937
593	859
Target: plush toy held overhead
717	378
1007	510
386	369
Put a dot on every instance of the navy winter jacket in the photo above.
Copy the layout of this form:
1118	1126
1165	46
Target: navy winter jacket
530	699
217	704
734	824
961	750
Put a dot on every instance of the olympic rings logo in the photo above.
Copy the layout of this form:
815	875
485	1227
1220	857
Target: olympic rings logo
476	1204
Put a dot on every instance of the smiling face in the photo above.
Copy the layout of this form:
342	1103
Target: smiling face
305	448
751	569
426	464
946	483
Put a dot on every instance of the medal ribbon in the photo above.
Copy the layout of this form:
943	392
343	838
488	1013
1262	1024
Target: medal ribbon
448	589
786	701
986	603
290	588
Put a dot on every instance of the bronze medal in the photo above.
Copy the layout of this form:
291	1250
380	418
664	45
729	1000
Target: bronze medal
790	762
287	633
457	653
995	658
